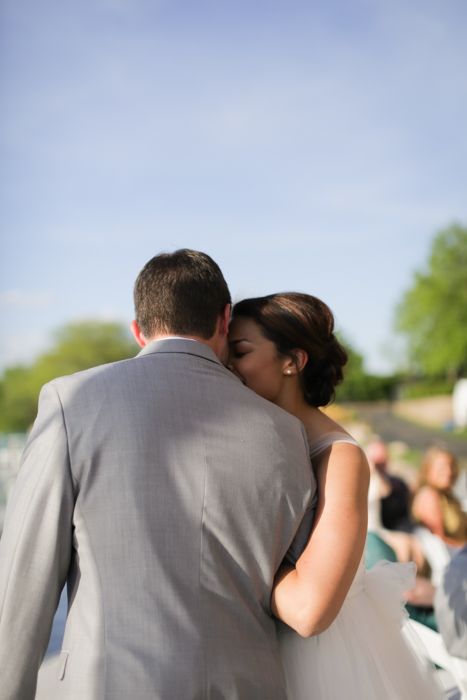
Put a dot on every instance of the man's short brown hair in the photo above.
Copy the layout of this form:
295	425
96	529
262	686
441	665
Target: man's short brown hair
182	293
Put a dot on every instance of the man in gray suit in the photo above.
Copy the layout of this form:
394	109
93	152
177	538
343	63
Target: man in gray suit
165	494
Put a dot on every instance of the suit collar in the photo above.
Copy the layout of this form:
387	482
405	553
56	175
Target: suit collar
180	345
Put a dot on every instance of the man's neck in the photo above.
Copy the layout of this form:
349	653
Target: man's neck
212	343
176	337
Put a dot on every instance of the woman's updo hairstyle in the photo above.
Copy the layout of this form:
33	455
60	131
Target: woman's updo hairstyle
299	321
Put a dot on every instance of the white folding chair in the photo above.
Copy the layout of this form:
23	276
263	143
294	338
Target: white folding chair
436	552
434	649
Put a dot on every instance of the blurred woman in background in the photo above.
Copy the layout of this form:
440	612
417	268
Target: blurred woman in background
435	506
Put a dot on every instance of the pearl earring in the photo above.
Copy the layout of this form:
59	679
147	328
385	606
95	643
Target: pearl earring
288	371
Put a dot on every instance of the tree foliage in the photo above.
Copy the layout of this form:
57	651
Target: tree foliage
77	346
358	384
433	312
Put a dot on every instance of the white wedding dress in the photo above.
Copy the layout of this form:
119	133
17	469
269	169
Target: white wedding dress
363	655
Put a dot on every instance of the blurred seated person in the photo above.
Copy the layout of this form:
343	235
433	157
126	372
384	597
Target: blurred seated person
451	605
395	503
419	600
435	506
405	545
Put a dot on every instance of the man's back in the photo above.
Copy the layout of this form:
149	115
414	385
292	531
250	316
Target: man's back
185	491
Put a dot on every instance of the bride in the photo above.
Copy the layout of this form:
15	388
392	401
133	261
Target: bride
349	642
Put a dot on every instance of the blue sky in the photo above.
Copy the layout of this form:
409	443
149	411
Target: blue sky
314	146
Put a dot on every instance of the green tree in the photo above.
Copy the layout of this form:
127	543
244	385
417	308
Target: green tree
358	385
77	346
433	312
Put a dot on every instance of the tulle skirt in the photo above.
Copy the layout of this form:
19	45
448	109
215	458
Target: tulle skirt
364	653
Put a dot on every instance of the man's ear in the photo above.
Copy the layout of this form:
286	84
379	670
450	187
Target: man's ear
225	320
138	335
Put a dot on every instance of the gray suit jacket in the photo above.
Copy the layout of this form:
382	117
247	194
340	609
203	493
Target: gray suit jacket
451	605
165	494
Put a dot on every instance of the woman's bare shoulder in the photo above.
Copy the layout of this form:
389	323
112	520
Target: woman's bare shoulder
426	495
318	425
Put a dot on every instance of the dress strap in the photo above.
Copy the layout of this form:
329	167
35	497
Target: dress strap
329	439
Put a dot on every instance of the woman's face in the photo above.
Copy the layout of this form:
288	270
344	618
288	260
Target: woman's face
441	473
255	359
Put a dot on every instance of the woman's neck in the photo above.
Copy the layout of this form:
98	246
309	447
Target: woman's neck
316	422
291	400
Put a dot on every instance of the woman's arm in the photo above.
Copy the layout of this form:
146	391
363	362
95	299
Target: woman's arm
309	596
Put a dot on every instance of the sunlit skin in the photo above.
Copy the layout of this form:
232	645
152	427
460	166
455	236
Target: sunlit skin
309	596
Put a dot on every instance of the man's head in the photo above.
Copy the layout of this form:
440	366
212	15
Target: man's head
185	294
377	453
